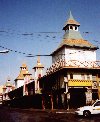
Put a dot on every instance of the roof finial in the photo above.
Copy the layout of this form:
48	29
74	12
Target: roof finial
71	16
38	65
38	60
8	78
70	21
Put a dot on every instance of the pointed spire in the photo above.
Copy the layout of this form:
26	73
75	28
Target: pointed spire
70	21
23	65
38	60
70	16
8	83
23	71
38	65
8	78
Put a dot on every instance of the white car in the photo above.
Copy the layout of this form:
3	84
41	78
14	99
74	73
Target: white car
89	110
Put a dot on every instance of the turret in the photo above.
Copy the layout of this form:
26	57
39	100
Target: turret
71	23
38	72
38	69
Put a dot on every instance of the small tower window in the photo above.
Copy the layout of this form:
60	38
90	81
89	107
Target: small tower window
23	68
75	28
71	27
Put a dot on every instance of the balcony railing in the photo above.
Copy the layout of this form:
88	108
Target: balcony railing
72	64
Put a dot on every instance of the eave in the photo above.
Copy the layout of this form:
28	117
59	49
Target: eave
73	46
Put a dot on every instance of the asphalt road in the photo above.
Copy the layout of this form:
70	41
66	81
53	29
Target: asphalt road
33	115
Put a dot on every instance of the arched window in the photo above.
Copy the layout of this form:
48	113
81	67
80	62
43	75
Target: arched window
75	28
71	27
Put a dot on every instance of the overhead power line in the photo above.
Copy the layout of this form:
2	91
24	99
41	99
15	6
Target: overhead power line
36	55
15	51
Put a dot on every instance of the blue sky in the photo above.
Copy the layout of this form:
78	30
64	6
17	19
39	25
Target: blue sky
22	27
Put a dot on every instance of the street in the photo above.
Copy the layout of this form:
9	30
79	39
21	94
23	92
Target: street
37	115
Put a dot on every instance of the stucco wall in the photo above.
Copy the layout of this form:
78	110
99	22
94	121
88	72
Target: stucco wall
20	83
81	55
58	55
75	54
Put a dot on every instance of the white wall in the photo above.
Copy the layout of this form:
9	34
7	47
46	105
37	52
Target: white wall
58	55
75	54
20	83
81	55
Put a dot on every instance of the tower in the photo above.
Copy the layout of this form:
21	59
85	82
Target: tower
74	68
7	88
71	23
73	45
19	81
38	72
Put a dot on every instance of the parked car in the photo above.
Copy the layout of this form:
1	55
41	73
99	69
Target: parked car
86	111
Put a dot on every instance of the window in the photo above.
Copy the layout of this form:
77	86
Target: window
97	104
71	76
75	28
23	68
83	76
93	77
88	77
71	27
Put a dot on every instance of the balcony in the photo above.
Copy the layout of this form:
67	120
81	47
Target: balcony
62	63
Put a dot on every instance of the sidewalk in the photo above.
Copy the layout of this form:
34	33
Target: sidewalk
57	111
65	111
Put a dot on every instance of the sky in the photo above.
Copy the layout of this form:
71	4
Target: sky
33	27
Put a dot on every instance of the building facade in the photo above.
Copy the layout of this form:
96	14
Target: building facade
26	93
73	80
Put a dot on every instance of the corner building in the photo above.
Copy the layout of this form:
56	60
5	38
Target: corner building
73	79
